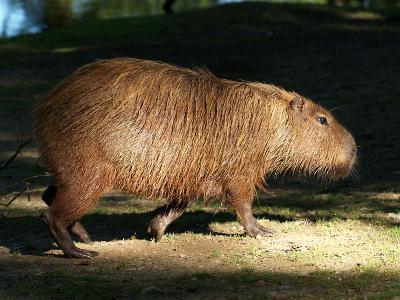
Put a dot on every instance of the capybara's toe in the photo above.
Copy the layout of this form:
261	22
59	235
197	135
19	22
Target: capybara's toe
80	253
257	229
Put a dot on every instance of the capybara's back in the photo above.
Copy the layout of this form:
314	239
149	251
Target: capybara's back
158	130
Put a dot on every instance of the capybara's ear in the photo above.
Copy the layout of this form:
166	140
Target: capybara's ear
297	103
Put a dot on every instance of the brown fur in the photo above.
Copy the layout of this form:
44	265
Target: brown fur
158	130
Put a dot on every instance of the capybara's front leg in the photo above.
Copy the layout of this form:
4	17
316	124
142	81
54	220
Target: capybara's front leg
165	215
240	201
61	236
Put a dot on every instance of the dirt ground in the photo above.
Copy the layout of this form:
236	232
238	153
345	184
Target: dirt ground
205	254
340	240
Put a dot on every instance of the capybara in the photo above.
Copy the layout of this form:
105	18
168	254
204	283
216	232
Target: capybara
158	130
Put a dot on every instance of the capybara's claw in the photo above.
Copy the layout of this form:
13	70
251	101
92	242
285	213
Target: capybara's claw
76	252
256	229
63	240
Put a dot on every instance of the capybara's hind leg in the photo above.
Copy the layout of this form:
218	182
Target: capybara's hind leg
76	228
61	236
68	206
240	201
165	215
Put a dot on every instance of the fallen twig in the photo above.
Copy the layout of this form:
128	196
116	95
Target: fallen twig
12	157
15	197
26	189
24	180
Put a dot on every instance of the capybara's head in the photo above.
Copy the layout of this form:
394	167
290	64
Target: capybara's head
318	145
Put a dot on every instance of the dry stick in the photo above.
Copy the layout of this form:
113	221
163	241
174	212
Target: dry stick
26	189
24	180
15	197
14	193
18	151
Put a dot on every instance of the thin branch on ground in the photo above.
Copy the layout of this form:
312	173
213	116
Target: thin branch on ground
26	189
14	198
12	157
24	180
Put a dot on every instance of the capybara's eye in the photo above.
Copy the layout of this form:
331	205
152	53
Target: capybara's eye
322	120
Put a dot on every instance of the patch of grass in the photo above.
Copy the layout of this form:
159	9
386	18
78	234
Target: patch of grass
391	293
315	206
215	253
69	287
395	232
4	295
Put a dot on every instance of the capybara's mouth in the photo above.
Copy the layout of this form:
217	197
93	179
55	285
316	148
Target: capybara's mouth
345	169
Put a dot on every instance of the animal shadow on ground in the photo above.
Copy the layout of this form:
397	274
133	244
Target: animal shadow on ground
28	235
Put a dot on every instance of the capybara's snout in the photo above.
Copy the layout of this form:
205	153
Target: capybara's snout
349	156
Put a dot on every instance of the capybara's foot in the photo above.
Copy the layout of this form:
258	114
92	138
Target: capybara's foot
76	252
79	231
60	234
255	229
157	228
164	216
